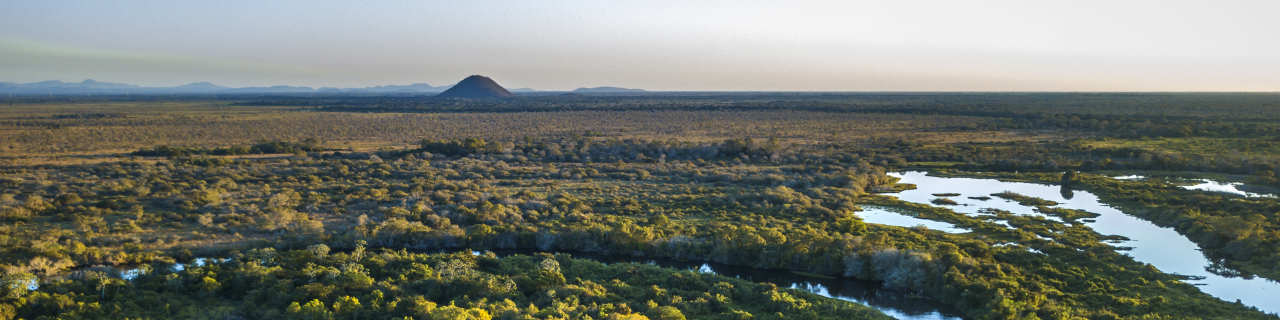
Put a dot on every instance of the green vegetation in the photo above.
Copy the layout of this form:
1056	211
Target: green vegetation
944	201
1024	200
1067	215
317	284
264	147
766	181
1225	146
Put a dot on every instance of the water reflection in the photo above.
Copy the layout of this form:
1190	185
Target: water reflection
887	217
1066	192
1162	247
1225	187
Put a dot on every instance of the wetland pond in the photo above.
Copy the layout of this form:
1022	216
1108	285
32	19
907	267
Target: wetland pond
1162	247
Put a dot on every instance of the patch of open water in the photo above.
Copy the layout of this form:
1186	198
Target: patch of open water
1225	187
887	217
1162	247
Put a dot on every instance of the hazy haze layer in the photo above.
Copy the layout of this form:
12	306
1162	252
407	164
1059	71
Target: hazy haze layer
655	45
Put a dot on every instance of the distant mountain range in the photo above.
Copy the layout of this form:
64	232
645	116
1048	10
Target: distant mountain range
606	90
96	87
91	86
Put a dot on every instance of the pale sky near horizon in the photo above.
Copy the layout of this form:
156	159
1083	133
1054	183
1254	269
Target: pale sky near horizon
654	45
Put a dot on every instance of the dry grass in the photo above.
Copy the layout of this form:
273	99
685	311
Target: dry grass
26	137
192	125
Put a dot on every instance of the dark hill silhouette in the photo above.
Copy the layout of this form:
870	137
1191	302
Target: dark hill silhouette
476	87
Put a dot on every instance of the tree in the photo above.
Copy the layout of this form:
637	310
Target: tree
347	306
666	313
319	250
69	198
17	284
1069	177
474	144
852	225
314	310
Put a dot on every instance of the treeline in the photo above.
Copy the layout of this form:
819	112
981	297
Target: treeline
1075	155
461	147
28	136
1134	127
1174	106
89	115
264	147
583	148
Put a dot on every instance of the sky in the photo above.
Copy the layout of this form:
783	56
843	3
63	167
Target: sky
654	44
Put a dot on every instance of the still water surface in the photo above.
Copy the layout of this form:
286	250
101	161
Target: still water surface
1162	247
1226	187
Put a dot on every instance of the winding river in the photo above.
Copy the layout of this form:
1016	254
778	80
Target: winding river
1162	247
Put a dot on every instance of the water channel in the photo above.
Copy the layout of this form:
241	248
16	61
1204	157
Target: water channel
897	304
1162	247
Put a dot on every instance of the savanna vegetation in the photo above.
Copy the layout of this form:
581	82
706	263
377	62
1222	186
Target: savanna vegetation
273	185
317	284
